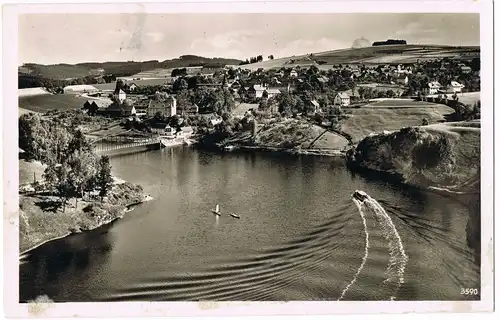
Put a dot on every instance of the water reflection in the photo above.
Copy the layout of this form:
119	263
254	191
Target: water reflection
59	265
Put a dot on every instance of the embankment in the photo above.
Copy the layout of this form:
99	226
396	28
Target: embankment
285	135
444	158
42	218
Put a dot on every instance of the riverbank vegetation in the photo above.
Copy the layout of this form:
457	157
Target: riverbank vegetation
76	192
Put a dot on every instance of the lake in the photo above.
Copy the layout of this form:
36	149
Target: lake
300	237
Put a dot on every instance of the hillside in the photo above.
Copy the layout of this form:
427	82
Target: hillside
409	53
443	156
289	134
65	71
391	114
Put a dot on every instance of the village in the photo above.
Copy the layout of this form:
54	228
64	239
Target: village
202	96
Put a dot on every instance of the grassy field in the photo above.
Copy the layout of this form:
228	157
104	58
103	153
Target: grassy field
370	119
44	103
377	55
465	97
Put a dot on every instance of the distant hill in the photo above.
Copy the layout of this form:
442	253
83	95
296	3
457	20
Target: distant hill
128	68
373	55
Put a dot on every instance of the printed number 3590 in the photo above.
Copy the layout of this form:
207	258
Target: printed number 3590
469	291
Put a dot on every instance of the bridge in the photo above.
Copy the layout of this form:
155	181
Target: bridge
118	144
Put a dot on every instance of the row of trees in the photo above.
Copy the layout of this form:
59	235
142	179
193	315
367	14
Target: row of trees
57	85
72	166
256	59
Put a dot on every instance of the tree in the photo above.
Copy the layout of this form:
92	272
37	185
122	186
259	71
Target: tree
83	166
271	57
179	85
104	177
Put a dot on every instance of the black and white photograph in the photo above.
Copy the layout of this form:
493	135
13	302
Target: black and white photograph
316	156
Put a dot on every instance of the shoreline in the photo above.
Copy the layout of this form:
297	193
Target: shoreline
310	152
125	208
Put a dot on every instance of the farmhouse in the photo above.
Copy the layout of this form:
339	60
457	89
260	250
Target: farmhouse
93	106
81	88
167	107
342	99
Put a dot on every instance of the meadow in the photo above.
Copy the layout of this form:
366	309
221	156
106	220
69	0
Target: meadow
44	103
390	115
376	55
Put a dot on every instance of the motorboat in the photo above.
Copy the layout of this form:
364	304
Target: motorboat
235	216
216	210
360	195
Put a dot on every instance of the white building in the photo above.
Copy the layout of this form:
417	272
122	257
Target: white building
133	87
434	86
294	74
456	87
120	96
272	92
342	99
80	88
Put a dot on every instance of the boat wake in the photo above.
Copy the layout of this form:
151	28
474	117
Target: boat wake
367	245
397	256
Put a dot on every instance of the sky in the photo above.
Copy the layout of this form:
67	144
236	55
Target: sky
74	38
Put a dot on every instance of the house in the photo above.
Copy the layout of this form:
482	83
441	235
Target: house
216	121
169	132
402	79
315	106
434	86
456	87
167	107
119	95
117	109
271	92
322	79
342	99
191	109
93	106
128	110
466	69
294	74
132	87
160	128
256	91
187	131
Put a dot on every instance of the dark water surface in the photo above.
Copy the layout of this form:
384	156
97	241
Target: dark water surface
300	236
